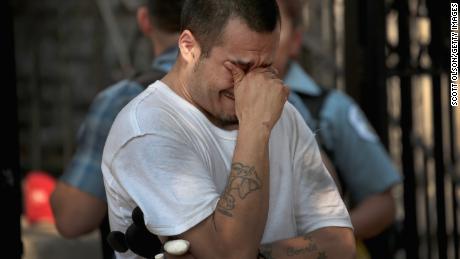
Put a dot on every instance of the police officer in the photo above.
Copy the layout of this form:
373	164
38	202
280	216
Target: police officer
364	169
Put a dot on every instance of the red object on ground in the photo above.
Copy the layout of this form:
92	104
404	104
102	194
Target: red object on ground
38	187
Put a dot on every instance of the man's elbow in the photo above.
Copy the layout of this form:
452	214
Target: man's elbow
71	224
347	245
338	242
67	220
66	224
67	230
349	251
75	212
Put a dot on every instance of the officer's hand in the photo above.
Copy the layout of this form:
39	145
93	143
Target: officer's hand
259	95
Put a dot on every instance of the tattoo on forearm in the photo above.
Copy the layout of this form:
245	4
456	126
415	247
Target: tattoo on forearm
291	251
307	237
322	255
226	203
309	248
242	181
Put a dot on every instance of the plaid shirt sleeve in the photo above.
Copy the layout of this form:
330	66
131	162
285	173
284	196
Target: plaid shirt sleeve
84	170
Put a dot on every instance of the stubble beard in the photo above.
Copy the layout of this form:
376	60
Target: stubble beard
228	120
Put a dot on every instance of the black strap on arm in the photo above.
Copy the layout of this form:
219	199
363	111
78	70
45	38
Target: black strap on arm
315	104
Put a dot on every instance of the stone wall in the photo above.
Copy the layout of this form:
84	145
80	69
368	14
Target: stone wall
64	56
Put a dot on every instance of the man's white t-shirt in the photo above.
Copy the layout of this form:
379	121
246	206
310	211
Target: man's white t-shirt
165	156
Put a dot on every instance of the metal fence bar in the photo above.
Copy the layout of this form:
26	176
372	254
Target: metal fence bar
427	203
455	181
410	219
415	19
438	13
411	235
117	38
440	168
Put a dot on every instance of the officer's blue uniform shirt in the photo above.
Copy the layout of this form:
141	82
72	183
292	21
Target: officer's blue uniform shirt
84	171
356	151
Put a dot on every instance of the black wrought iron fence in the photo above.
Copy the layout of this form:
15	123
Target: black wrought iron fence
413	110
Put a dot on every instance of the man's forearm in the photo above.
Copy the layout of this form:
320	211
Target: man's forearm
243	208
236	227
331	242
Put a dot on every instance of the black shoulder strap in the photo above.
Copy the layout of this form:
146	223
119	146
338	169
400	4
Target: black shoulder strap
148	77
315	103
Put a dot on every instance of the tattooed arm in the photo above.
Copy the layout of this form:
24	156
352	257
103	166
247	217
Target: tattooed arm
329	242
235	229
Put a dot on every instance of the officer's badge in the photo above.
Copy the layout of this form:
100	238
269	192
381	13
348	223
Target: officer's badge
361	125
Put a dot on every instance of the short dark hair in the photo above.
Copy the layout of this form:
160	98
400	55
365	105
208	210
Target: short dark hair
165	14
207	19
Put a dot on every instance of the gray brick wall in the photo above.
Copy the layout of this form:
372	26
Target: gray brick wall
64	56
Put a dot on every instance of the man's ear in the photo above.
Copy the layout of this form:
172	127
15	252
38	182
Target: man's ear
189	47
296	39
144	21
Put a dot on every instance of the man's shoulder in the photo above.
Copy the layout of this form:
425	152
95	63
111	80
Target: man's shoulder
290	114
151	113
151	110
130	121
291	121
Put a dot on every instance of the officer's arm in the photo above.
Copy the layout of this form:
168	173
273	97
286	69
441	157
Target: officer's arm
76	212
367	169
373	215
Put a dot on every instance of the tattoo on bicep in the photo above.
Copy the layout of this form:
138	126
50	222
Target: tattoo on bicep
242	181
